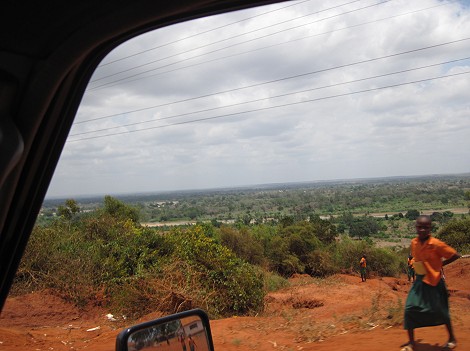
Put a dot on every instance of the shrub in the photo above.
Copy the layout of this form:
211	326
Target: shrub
381	261
280	260
83	258
52	260
239	285
321	264
120	210
243	244
176	286
412	214
273	281
347	253
384	262
364	227
456	233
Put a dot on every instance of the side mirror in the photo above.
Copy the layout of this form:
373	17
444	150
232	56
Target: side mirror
184	331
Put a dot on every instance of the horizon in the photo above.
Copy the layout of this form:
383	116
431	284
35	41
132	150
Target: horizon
285	92
252	186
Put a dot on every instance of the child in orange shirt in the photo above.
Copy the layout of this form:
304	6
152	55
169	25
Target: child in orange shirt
362	267
411	270
427	303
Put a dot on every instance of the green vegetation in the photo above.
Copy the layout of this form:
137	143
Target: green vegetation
99	253
263	204
457	234
105	258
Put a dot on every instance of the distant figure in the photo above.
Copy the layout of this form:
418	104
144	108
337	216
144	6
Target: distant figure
183	344
362	267
411	269
427	303
192	344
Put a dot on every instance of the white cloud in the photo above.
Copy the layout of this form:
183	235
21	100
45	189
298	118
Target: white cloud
309	117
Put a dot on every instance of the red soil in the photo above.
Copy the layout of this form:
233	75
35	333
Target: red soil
339	313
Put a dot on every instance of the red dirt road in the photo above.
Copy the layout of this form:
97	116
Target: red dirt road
339	313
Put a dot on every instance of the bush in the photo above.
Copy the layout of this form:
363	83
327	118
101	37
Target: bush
243	244
456	233
82	259
53	260
238	284
280	260
364	227
321	264
347	253
412	215
131	269
176	286
273	281
120	210
382	262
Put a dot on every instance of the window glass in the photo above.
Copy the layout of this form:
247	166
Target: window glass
297	91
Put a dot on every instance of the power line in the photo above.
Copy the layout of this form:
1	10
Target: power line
274	107
129	80
200	33
285	78
235	36
271	97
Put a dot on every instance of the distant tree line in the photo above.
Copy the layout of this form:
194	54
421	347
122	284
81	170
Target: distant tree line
301	201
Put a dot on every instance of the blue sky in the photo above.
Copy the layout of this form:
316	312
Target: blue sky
297	91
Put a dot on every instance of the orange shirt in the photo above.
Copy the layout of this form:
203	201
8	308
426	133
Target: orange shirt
363	262
410	262
431	253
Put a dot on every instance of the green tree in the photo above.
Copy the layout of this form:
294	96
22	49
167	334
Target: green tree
238	284
324	230
467	195
280	260
412	214
436	217
286	221
69	209
320	264
447	215
456	233
364	227
242	243
120	210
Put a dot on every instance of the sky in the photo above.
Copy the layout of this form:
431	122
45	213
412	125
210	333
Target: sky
292	92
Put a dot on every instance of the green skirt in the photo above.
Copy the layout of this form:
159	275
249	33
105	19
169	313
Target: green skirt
426	305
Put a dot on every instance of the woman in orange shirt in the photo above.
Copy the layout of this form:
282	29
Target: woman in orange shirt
427	303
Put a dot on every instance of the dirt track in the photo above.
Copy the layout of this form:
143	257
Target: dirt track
340	313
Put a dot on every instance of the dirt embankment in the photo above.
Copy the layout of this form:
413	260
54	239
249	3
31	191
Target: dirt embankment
338	313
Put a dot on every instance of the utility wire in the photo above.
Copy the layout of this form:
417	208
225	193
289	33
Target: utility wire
274	107
284	78
129	80
204	32
239	35
270	97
